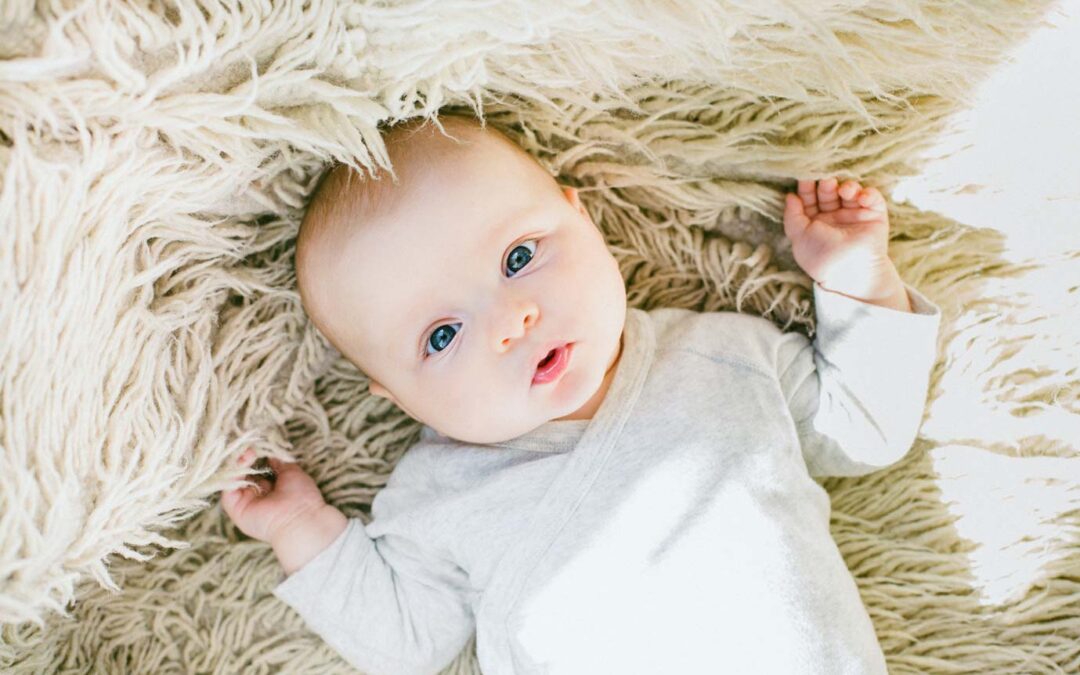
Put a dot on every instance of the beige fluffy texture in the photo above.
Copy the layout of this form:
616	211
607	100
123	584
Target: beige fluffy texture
156	158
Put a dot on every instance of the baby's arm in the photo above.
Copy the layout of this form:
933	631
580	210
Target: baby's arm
387	604
857	393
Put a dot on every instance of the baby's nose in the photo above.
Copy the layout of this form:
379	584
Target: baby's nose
521	320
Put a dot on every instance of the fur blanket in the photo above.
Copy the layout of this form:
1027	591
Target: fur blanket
156	156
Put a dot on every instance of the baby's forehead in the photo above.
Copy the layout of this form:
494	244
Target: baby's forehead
424	171
411	265
450	238
454	206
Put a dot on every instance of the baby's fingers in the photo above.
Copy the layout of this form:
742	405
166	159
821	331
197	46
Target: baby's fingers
795	216
234	502
848	192
808	195
871	198
849	216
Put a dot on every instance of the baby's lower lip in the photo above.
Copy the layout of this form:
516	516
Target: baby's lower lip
556	367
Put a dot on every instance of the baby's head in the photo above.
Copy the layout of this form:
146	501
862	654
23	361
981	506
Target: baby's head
448	286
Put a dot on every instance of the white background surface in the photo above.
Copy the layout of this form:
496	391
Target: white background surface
1018	150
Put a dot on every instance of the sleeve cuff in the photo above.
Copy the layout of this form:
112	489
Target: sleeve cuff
837	304
855	335
297	588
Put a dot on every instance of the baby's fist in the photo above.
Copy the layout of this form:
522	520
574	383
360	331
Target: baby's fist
267	509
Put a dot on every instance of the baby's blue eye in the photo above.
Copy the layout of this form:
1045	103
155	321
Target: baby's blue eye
443	335
521	254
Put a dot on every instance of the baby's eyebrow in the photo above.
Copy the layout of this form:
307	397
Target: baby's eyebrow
494	240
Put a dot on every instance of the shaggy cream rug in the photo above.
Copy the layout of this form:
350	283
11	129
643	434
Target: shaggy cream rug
156	156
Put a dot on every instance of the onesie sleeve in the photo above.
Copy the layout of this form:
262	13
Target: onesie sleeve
387	604
857	393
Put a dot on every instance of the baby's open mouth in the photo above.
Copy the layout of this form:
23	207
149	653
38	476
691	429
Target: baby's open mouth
552	366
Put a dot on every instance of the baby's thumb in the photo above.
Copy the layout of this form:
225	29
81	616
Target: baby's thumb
235	501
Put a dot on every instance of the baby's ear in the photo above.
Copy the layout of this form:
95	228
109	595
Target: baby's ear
379	390
572	197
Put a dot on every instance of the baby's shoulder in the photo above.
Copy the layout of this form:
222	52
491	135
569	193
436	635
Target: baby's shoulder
723	335
436	463
416	467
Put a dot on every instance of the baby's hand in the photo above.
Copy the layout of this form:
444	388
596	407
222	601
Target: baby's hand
266	510
841	237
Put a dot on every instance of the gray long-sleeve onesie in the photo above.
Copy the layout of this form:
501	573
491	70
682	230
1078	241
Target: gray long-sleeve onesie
679	530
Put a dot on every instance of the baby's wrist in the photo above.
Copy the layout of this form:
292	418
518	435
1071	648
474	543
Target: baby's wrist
886	291
307	536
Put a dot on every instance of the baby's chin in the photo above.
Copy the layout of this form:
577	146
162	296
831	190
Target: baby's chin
565	402
489	436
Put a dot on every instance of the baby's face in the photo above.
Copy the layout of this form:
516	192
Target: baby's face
468	283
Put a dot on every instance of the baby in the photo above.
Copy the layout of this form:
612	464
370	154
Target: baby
596	488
